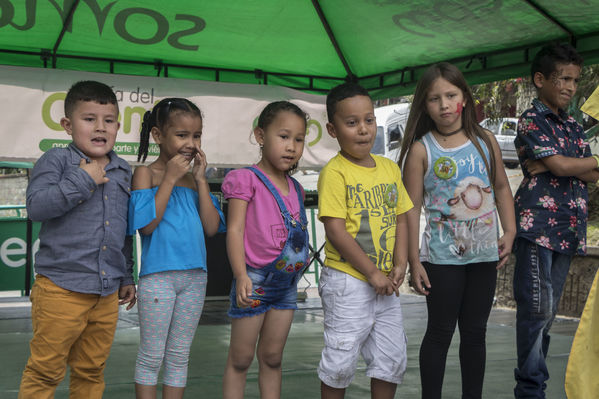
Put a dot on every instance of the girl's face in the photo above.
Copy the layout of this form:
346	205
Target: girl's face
181	135
444	104
282	141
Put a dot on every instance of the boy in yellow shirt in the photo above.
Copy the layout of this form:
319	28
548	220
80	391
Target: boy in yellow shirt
362	204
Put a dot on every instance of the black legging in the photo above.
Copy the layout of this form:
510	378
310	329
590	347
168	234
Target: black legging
462	294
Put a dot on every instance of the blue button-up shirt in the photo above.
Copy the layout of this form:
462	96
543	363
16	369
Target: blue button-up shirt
83	246
551	210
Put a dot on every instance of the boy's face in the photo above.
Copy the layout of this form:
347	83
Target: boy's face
557	90
93	127
354	127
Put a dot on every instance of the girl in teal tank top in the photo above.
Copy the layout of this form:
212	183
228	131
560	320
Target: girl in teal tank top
453	169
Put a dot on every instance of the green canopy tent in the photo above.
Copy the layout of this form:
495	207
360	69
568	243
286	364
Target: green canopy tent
306	45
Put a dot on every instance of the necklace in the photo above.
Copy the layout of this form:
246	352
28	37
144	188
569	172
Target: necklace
449	133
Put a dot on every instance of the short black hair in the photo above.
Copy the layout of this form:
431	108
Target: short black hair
340	93
550	55
88	90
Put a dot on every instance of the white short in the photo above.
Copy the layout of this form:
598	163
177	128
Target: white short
357	320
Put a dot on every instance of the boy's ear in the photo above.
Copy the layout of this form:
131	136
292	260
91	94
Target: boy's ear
156	135
331	130
66	125
259	135
538	79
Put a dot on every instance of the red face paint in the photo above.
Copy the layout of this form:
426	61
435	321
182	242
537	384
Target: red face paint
459	108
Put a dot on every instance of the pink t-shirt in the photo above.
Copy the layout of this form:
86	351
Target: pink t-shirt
265	233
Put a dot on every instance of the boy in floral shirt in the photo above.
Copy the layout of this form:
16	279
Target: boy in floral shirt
551	208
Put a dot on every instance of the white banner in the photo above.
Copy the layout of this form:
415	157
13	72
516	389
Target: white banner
32	103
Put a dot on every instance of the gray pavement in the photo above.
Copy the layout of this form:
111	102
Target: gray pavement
302	353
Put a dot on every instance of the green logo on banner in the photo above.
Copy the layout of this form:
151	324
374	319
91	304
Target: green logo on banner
119	147
46	117
318	134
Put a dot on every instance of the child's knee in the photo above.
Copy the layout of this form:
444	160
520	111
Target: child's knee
271	360
337	366
90	374
339	377
241	361
149	362
44	373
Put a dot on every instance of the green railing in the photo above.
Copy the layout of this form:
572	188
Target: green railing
15	211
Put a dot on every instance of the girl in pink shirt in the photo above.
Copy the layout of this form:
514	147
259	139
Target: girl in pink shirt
267	244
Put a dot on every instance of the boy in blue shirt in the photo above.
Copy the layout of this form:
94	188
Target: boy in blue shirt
551	208
362	203
84	265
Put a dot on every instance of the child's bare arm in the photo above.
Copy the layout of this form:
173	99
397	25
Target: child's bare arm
349	249
400	252
142	179
589	177
413	176
208	213
561	165
505	206
536	167
176	168
236	249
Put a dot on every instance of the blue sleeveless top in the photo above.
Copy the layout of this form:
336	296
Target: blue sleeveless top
459	204
177	243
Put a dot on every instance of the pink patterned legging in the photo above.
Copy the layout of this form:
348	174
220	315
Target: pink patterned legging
169	305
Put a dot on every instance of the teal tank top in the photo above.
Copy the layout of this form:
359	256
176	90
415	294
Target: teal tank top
459	204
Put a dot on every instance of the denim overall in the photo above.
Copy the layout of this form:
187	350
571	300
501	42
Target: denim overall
275	285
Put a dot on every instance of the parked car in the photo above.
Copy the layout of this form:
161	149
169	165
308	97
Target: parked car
504	130
392	122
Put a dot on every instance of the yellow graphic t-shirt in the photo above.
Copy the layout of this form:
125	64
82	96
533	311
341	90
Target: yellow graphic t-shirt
369	200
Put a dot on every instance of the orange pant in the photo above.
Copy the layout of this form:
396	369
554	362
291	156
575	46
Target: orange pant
68	328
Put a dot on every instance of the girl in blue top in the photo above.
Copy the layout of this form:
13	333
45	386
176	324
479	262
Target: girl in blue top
453	169
172	209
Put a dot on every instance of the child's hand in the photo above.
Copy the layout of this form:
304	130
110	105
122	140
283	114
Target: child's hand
535	167
177	167
381	284
127	295
199	165
419	278
504	246
94	170
397	275
243	289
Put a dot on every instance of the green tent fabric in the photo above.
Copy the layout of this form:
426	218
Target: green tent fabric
307	45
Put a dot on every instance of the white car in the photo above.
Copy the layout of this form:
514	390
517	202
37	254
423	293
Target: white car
504	130
392	122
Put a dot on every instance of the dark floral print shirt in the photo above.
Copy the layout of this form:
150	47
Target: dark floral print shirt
551	210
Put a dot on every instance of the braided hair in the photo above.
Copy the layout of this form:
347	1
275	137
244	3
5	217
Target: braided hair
159	117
